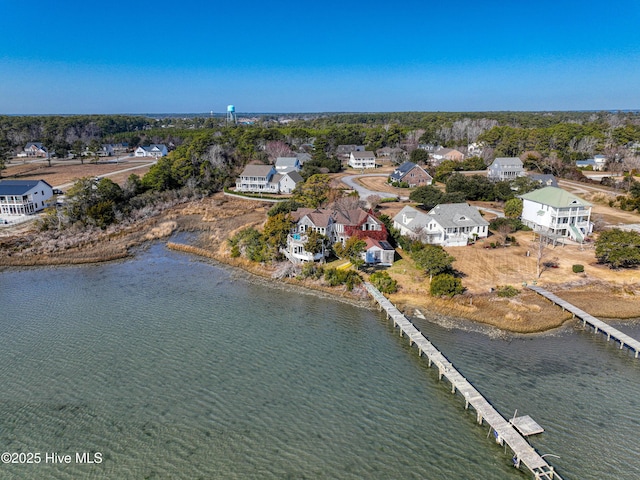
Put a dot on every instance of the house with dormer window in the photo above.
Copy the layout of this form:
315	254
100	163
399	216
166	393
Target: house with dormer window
557	213
446	224
338	225
411	174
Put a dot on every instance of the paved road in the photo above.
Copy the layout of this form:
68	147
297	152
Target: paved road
363	192
111	174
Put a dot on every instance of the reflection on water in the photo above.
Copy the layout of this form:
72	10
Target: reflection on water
174	368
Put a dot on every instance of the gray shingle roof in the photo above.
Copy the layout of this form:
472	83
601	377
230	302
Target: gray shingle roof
449	215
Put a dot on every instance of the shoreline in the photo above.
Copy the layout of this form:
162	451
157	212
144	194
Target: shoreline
208	223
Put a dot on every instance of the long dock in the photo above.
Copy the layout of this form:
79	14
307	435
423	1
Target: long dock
503	431
598	325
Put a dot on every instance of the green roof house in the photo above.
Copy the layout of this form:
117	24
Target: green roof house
557	213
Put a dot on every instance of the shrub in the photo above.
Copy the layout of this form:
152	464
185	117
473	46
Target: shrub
335	277
578	268
311	270
445	284
507	291
383	282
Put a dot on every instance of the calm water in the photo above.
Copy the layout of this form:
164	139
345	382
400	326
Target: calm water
175	368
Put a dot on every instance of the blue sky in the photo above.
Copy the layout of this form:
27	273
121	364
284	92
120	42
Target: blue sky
71	56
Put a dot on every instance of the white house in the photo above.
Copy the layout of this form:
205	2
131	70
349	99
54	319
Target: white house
258	179
362	160
23	197
557	213
505	168
378	252
410	221
288	181
447	224
154	150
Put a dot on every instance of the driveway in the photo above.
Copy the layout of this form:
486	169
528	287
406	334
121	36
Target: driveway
363	192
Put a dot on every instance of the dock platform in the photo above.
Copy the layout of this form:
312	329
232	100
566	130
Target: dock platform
598	325
503	431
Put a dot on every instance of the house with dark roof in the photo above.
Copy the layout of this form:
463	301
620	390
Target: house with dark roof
557	213
288	181
544	179
36	149
412	174
505	168
447	224
24	197
338	225
343	151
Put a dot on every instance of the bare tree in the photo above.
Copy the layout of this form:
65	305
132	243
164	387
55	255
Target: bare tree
277	149
373	201
541	251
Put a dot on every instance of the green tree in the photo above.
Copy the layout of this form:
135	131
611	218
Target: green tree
5	153
427	195
316	242
383	282
513	208
445	284
277	228
618	248
314	192
419	156
433	259
352	249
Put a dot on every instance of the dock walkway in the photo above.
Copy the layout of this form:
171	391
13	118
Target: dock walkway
504	431
597	325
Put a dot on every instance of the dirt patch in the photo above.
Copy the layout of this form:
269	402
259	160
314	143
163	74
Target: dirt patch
65	172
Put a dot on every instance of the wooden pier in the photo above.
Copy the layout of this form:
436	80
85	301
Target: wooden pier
503	431
598	325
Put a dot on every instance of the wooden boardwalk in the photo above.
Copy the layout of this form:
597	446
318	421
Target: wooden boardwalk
598	325
503	431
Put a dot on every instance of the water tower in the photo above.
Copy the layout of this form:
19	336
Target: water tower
231	114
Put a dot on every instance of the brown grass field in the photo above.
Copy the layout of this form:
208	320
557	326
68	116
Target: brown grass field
66	171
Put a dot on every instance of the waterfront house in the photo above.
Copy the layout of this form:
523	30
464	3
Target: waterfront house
361	160
410	221
337	224
378	252
36	149
447	224
557	213
505	168
257	179
24	197
412	174
154	150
